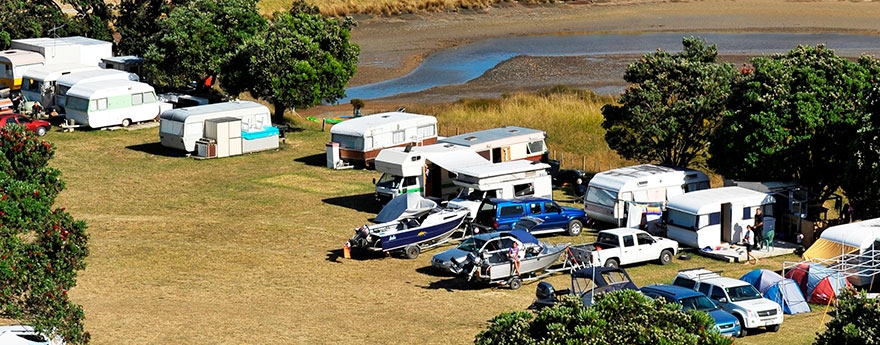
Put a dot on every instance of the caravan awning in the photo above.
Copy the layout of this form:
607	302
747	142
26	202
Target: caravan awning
825	249
450	161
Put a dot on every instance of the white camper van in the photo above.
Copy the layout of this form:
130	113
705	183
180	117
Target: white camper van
360	139
112	102
38	83
180	128
427	170
65	82
506	180
508	143
706	218
609	193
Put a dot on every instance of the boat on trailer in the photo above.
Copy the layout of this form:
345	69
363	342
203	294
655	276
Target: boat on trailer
412	234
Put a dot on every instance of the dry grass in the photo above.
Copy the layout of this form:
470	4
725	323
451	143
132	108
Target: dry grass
384	7
246	249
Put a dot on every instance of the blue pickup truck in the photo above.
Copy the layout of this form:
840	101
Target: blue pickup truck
500	214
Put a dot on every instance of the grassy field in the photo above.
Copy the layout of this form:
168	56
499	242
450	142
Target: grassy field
247	249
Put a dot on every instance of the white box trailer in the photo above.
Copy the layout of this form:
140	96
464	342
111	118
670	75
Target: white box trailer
610	193
13	65
706	218
180	128
65	82
505	180
112	102
362	138
73	49
38	83
508	143
427	170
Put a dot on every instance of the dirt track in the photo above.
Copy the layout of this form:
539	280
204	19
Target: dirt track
391	47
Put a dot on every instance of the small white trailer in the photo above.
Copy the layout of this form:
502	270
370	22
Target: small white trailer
706	218
180	128
112	102
65	82
610	193
38	83
359	140
505	180
13	65
508	143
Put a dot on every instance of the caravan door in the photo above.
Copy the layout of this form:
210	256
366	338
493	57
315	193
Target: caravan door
727	222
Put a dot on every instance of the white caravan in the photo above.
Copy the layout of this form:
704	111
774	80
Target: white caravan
706	218
14	63
611	192
65	82
506	180
362	138
112	102
180	128
427	170
38	83
508	143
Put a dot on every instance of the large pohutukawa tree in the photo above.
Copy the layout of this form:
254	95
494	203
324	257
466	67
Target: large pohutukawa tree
672	106
41	246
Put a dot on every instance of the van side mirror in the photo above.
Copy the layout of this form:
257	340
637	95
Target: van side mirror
722	300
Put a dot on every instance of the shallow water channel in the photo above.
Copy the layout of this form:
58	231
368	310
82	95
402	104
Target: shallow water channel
463	63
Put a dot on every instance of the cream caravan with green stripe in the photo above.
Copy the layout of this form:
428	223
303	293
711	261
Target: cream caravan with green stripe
111	102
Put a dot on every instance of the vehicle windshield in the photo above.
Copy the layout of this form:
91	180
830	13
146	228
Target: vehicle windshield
472	244
389	181
742	293
607	240
701	303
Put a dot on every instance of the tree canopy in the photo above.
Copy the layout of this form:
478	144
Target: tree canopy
197	38
792	117
619	317
674	103
860	180
301	60
41	247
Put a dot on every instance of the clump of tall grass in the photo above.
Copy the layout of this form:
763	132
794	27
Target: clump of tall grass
572	119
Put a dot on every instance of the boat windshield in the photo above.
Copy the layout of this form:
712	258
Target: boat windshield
701	303
472	244
743	293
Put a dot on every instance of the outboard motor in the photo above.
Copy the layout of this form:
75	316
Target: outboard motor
546	296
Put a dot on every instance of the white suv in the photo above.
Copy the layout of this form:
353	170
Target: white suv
735	296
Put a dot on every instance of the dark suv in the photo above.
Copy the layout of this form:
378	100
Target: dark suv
501	214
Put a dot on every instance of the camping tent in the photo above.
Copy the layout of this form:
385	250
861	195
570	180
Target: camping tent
819	284
783	291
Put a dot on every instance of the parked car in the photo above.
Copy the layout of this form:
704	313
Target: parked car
585	283
451	259
725	322
501	214
734	296
625	246
34	125
26	335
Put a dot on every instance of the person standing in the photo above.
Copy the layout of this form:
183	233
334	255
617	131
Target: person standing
758	228
749	241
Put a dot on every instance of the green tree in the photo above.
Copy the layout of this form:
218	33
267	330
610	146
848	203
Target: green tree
41	247
620	317
854	322
31	18
197	38
792	116
673	105
137	21
861	174
300	61
92	19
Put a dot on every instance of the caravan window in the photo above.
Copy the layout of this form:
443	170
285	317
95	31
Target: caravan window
523	190
149	97
137	99
682	220
348	142
535	147
30	85
101	104
171	127
426	132
61	89
77	103
714	218
398	137
601	196
747	213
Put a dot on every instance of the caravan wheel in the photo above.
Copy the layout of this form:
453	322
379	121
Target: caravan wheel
126	122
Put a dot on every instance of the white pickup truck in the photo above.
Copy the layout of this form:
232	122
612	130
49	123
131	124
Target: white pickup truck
624	246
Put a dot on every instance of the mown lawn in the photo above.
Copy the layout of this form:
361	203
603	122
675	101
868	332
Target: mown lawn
247	249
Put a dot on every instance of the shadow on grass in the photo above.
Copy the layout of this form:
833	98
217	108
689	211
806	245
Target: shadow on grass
336	255
157	149
452	284
318	160
360	202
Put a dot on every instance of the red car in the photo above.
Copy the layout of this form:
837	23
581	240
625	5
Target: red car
34	125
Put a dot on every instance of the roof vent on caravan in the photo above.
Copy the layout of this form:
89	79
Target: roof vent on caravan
470	138
513	131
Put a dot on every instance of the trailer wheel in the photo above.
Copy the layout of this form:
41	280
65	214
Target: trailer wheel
575	227
515	283
665	257
126	122
612	263
411	251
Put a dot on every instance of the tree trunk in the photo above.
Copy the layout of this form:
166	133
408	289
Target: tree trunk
278	117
